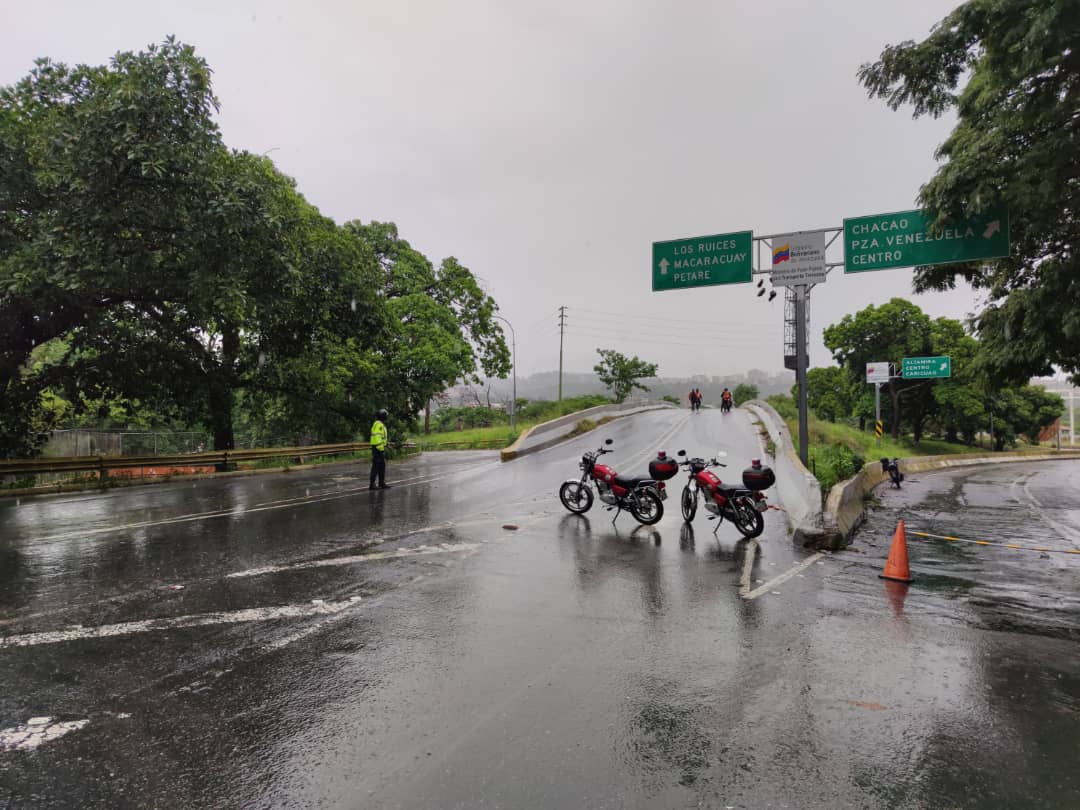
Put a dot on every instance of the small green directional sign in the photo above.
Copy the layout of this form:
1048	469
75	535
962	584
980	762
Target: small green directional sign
702	261
925	368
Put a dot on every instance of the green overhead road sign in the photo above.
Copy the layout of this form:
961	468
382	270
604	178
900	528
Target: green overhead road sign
702	261
903	239
925	368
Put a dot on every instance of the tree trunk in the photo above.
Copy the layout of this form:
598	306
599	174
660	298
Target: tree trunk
221	412
951	434
221	390
427	418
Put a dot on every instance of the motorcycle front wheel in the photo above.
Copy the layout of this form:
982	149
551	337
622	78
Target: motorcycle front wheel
689	504
576	497
747	518
646	507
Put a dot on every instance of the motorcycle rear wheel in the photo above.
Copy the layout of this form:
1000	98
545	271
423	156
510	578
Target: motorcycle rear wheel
747	518
576	497
646	507
689	504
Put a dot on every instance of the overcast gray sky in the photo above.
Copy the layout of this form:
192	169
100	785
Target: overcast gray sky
547	145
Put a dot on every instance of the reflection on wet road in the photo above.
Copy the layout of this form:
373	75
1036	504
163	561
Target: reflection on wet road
293	640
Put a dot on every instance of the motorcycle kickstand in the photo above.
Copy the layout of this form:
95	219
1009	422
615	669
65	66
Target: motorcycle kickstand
616	516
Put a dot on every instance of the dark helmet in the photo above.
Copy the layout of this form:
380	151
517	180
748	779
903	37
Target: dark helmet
382	415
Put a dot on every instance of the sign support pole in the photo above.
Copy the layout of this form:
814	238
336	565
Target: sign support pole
801	293
877	409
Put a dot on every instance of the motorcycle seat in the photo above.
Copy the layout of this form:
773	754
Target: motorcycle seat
631	481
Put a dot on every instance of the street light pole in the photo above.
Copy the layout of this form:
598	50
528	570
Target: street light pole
513	366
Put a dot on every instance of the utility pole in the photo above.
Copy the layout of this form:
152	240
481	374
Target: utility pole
562	330
513	360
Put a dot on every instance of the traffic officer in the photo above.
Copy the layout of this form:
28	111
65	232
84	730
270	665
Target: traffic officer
378	450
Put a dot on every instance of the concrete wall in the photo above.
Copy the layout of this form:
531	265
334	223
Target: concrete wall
548	434
798	489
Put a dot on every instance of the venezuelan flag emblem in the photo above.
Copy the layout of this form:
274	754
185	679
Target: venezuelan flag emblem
781	254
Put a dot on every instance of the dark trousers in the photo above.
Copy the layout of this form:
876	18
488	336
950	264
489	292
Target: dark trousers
378	466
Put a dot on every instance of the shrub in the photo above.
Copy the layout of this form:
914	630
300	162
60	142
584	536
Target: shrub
784	405
834	463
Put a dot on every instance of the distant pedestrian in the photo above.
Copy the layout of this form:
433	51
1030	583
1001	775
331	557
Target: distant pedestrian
693	399
697	398
378	450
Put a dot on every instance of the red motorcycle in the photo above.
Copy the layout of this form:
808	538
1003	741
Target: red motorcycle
741	505
642	496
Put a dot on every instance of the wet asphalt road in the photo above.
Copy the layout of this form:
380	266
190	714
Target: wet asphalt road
292	640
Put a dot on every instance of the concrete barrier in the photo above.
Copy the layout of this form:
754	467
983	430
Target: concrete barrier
798	489
547	434
845	508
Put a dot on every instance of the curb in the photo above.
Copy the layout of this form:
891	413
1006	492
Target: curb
563	425
798	489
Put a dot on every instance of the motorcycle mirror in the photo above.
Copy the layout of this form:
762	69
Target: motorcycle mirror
609	441
721	454
681	453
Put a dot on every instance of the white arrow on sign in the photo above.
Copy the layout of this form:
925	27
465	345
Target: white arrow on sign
664	263
992	228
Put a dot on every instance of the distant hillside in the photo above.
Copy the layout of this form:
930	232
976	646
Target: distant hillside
545	385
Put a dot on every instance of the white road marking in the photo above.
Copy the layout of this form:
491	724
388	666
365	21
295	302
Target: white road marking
784	577
316	608
748	565
36	731
442	548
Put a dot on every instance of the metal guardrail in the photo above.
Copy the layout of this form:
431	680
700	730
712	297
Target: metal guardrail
102	464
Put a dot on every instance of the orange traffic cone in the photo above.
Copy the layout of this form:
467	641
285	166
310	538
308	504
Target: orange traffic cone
896	567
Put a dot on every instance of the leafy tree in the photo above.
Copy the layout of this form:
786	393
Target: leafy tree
178	273
621	373
1010	71
1025	410
890	332
961	399
442	321
744	392
102	172
829	393
272	284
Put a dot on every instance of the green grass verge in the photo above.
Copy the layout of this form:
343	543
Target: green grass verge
496	437
838	451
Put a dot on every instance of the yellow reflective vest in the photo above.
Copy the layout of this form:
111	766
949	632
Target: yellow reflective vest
378	435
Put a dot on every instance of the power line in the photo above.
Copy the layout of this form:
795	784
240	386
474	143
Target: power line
627	317
699	335
669	341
